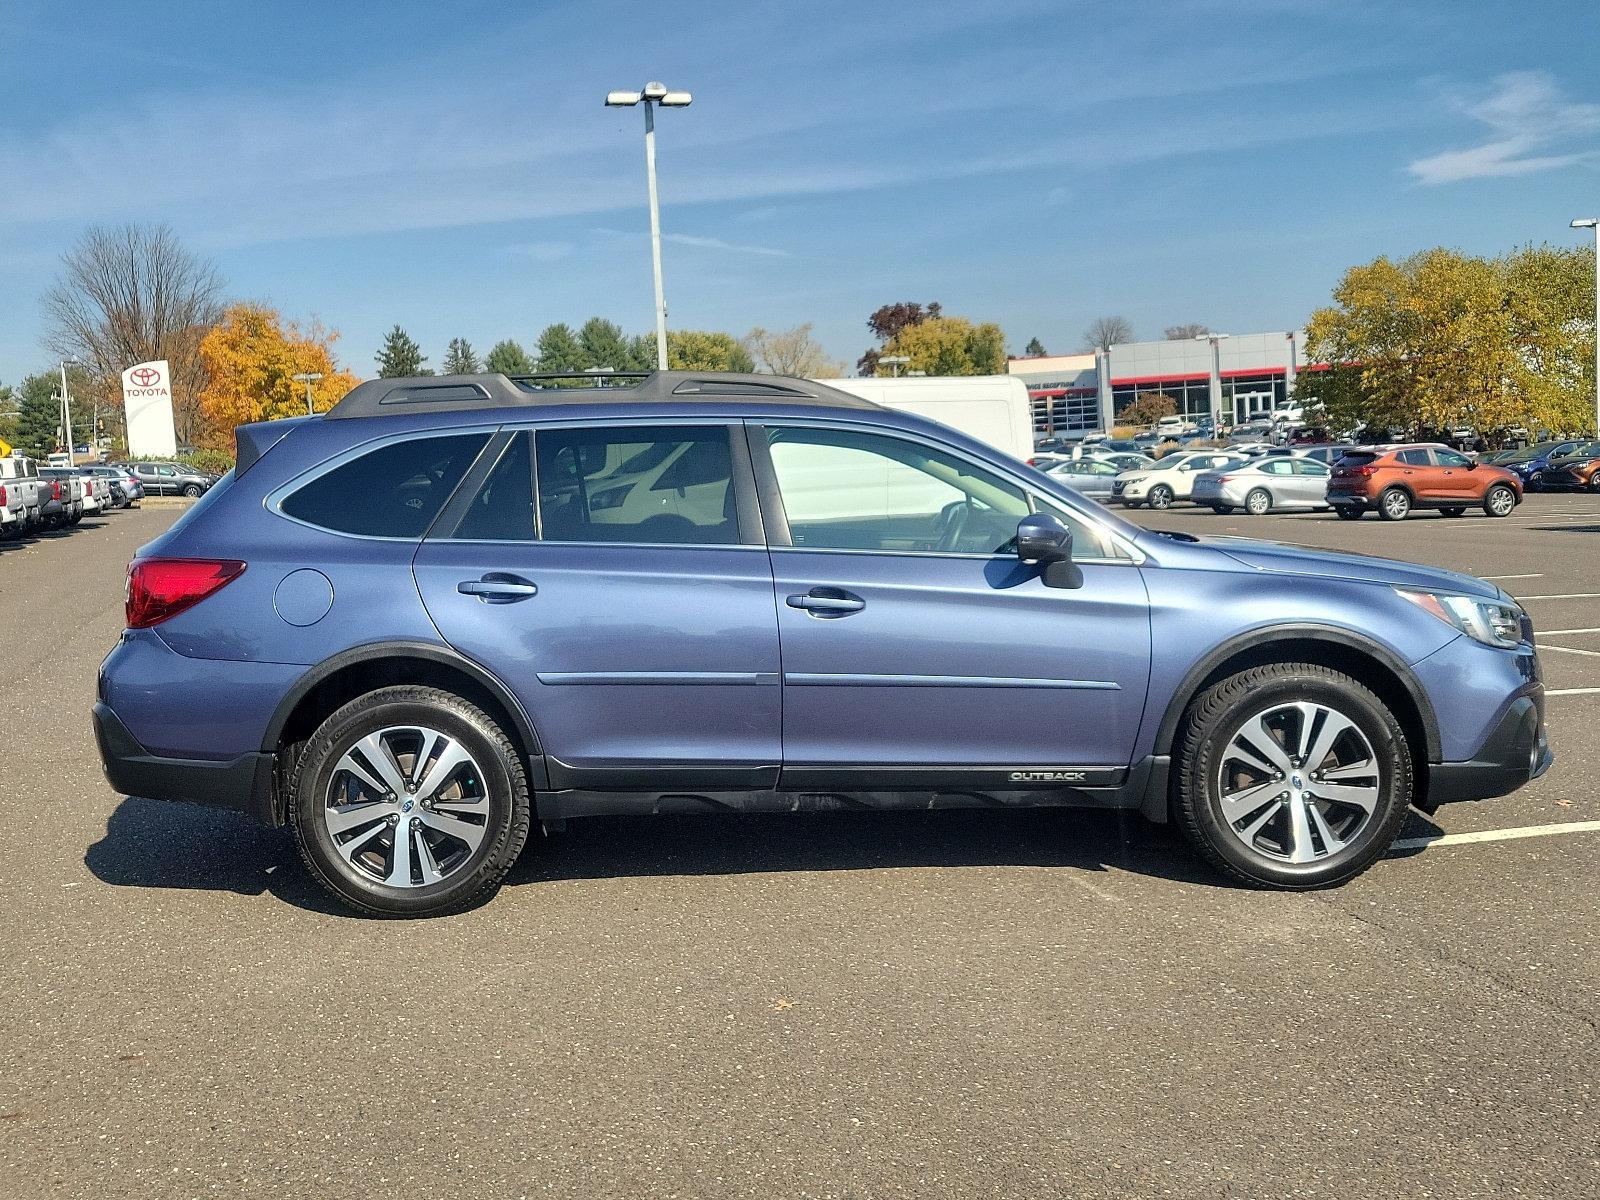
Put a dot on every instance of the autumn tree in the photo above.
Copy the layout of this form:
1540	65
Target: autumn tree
250	359
888	322
1106	332
1184	333
508	358
791	352
1034	348
1443	339
1147	408
701	350
951	346
459	358
128	294
400	356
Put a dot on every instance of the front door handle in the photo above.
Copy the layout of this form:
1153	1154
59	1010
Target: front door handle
827	602
497	587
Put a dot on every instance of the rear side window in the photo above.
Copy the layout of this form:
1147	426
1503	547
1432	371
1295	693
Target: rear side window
637	484
393	491
502	511
1415	458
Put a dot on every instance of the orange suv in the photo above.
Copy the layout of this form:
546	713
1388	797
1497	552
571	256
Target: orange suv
1396	479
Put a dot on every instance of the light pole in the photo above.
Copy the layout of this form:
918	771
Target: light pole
308	378
894	362
66	413
1215	399
651	95
1594	224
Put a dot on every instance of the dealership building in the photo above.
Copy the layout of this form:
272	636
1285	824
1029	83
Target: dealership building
1234	377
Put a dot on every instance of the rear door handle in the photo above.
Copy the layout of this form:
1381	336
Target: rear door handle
498	588
827	602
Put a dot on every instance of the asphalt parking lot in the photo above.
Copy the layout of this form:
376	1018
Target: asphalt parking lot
935	1004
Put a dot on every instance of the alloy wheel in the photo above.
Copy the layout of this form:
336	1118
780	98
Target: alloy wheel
1501	501
1258	502
406	806
1396	505
1299	783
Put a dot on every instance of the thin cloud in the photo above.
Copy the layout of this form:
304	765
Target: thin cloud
1530	127
711	243
541	251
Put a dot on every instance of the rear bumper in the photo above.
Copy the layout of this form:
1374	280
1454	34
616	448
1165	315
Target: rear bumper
1516	752
243	784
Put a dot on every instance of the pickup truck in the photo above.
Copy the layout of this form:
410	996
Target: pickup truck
64	503
26	494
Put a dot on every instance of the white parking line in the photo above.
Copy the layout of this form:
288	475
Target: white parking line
1535	575
1565	596
1568	650
1574	692
1495	835
1552	632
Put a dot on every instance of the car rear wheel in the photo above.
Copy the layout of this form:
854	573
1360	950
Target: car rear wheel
191	490
1454	510
1291	775
1499	501
409	801
1258	503
1349	512
1394	505
1161	496
1222	510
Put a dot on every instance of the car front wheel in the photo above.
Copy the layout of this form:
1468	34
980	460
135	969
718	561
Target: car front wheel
1161	496
1258	503
191	490
409	801
1291	775
1499	501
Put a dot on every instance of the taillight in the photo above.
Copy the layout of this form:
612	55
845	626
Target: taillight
3	497
55	489
1225	478
159	588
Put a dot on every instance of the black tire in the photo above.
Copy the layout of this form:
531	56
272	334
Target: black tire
1500	501
504	783
191	490
1349	512
1258	502
1210	724
1394	504
1160	496
1535	481
1453	510
1222	510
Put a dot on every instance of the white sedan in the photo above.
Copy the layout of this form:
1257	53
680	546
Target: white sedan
1167	479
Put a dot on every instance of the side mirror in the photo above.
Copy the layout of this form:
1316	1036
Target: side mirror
1043	540
1473	465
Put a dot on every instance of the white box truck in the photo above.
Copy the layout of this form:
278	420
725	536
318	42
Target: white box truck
994	409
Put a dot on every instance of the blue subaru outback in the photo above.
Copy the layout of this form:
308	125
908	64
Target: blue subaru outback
451	607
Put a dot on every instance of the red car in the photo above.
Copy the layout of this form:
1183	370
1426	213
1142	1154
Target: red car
1394	480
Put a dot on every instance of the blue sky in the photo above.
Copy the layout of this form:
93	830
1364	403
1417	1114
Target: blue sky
450	167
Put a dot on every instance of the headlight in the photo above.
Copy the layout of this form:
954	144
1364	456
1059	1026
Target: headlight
1486	621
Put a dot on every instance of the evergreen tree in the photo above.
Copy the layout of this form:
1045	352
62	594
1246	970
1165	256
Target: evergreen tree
459	358
508	358
559	350
39	414
400	356
1035	348
605	345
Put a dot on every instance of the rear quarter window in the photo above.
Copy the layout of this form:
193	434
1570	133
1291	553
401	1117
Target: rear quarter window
393	491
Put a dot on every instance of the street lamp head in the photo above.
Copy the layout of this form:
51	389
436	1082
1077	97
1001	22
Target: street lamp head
894	359
654	90
1587	223
621	99
308	377
676	100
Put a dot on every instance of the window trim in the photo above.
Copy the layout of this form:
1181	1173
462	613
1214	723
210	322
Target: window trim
776	518
273	500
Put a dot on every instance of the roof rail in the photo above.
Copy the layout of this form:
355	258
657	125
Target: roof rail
448	393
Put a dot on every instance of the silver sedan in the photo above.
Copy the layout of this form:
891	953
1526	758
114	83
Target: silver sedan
1089	476
1263	485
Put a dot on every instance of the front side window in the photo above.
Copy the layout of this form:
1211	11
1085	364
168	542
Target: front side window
666	484
1449	458
395	490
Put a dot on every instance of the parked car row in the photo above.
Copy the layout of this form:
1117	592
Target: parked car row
35	497
1555	465
1392	481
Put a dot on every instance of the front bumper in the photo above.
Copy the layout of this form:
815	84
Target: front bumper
243	784
1516	752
